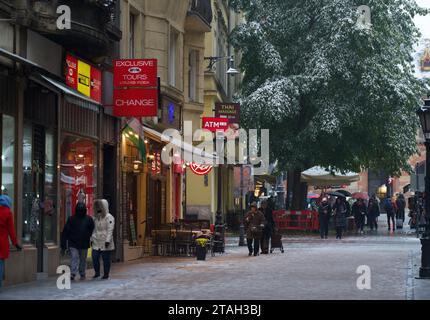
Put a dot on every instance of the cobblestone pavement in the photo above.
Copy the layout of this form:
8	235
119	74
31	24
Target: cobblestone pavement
309	269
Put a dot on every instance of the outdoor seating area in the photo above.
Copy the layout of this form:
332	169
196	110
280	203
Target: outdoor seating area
179	239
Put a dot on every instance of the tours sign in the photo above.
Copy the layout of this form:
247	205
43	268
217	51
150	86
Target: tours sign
135	73
135	88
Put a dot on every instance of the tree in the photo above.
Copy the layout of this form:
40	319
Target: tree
331	93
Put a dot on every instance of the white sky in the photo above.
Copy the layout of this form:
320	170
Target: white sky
423	22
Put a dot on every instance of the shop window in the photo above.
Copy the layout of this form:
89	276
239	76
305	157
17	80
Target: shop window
50	192
8	156
29	217
78	175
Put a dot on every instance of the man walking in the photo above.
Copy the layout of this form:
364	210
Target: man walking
76	236
373	213
389	208
268	228
324	212
254	224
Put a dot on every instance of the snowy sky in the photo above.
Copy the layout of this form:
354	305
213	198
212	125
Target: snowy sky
423	22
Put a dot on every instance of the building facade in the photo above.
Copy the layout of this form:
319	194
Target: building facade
58	141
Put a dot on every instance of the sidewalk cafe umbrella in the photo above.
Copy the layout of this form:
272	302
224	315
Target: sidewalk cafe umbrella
318	176
360	195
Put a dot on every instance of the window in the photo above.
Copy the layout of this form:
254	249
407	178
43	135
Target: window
173	47
50	192
192	75
28	196
132	40
78	175
8	156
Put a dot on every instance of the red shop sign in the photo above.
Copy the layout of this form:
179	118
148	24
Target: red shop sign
200	169
135	103
214	124
96	84
72	72
135	73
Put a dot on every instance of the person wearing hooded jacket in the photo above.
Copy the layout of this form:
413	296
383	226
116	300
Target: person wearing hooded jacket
7	230
102	238
76	235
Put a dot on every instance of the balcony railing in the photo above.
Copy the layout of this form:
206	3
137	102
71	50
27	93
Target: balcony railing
202	10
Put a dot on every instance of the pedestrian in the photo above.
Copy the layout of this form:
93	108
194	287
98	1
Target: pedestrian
359	211
324	212
268	228
389	209
7	230
340	212
401	206
373	213
102	238
76	236
254	224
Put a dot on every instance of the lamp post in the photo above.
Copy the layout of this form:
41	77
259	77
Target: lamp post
424	115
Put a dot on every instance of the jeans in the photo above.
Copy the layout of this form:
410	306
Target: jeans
106	256
373	222
256	245
360	222
1	272
393	218
78	261
324	228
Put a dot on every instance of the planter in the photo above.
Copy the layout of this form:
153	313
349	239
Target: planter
201	253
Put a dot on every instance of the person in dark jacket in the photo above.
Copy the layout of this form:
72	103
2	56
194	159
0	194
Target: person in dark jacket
76	236
401	206
268	228
7	230
254	224
373	213
324	213
389	209
359	211
340	211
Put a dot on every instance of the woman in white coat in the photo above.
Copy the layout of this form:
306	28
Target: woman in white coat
102	238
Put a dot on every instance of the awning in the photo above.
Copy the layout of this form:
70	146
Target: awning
318	176
187	148
18	58
73	96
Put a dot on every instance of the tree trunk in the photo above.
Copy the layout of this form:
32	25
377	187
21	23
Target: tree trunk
296	191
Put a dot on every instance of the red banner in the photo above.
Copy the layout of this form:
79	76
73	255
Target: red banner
135	103
214	124
135	73
72	72
96	85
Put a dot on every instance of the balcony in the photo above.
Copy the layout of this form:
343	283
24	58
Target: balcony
93	24
199	16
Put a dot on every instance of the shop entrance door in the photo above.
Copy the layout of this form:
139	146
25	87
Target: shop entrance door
154	202
132	207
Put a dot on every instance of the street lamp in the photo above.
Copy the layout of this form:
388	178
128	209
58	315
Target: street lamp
231	70
424	115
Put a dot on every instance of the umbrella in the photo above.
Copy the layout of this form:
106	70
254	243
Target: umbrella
313	196
360	195
336	194
344	192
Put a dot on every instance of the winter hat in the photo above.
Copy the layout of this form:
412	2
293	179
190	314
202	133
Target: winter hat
5	201
254	204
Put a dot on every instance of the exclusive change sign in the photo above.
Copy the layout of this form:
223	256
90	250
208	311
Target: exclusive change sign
135	88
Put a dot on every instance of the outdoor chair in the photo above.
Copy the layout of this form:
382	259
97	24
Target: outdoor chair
163	239
183	242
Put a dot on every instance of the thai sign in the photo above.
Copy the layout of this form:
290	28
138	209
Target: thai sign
230	111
